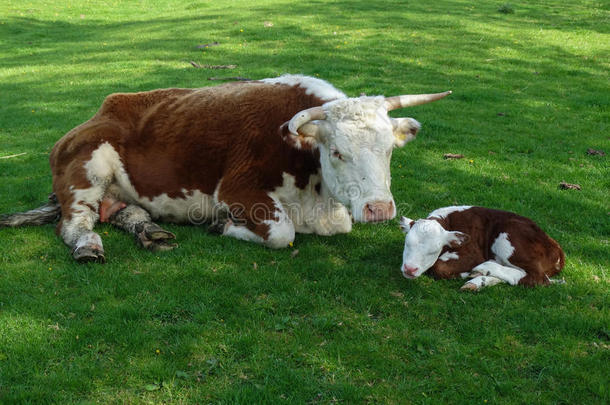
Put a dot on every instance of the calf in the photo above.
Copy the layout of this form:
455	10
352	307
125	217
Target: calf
488	246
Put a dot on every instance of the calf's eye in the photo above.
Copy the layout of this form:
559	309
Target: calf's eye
337	155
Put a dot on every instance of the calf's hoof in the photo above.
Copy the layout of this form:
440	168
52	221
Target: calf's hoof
469	287
86	254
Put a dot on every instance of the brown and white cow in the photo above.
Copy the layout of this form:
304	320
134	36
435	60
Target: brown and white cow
488	246
272	157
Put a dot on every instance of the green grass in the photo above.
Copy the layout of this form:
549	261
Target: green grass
337	322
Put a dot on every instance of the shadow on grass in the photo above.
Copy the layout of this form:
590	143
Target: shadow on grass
88	45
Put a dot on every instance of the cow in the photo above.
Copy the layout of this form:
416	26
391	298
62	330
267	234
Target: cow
257	160
486	245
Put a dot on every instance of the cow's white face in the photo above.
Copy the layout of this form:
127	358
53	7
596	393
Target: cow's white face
424	241
355	142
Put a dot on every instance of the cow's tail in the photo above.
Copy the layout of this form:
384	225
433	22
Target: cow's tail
48	213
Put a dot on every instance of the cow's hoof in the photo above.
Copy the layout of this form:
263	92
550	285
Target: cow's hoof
86	254
155	232
469	287
156	240
152	231
219	226
160	234
158	245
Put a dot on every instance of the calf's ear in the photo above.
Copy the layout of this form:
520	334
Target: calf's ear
457	239
406	224
404	130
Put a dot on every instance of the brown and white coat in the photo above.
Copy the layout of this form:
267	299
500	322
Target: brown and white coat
262	159
489	246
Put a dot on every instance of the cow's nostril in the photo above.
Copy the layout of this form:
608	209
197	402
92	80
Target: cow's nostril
379	210
409	272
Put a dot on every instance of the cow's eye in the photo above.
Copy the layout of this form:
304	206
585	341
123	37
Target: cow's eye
337	154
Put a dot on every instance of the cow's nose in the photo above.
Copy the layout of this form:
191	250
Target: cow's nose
409	271
378	211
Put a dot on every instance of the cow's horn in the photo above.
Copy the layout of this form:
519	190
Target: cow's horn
303	117
409	100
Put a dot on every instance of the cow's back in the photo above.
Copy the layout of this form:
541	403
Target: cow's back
172	141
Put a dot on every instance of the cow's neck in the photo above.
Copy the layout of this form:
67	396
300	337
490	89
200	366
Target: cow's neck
307	200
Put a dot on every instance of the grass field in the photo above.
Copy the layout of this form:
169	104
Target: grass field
223	321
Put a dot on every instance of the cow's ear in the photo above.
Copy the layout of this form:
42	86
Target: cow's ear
406	224
456	239
306	139
405	130
312	129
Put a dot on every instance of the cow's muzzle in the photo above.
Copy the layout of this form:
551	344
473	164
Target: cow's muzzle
377	211
409	272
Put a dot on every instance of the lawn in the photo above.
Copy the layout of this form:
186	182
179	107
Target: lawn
330	320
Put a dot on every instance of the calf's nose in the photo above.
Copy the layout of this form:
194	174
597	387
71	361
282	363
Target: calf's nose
378	211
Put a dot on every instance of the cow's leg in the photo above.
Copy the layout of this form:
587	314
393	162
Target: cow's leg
257	217
511	275
331	218
274	233
81	178
479	282
78	216
136	221
241	232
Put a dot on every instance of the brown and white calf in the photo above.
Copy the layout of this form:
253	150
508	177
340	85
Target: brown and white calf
270	158
488	246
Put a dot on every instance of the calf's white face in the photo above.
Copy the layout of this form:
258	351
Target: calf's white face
355	141
424	241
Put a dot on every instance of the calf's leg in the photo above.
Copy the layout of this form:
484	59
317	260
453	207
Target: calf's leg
511	275
479	282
